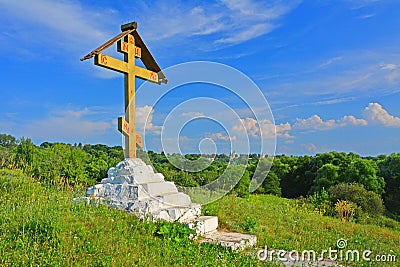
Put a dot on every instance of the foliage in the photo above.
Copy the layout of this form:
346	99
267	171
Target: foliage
345	210
61	164
283	224
270	185
326	177
242	187
320	202
290	176
175	232
369	202
7	140
389	169
363	171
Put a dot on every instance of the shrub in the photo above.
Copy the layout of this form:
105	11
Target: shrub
320	202
368	201
345	210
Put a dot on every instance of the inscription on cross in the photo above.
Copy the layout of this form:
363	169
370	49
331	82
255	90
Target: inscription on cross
127	125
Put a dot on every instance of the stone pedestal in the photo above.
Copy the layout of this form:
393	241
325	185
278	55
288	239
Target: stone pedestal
134	187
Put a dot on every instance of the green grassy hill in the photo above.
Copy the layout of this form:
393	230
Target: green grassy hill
283	224
39	225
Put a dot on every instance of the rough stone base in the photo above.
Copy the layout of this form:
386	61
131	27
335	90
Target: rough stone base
134	187
235	241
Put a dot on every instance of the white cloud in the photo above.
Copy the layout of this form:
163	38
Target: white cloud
356	73
388	66
227	21
330	61
221	136
375	113
144	120
268	129
310	147
316	123
332	101
56	24
351	120
192	114
282	130
247	34
367	16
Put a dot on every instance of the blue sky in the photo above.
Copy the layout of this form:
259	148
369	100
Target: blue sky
330	71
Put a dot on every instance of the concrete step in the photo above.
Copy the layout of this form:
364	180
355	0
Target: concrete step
135	179
151	190
173	200
145	178
184	214
180	214
204	224
235	241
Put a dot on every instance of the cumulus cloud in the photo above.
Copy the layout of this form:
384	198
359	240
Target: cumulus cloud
144	120
255	128
221	136
310	147
351	120
316	123
375	113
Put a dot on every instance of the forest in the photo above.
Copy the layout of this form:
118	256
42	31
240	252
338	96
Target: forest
345	185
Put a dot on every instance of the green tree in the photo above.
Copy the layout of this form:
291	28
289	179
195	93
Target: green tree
271	185
242	187
327	176
369	201
389	169
363	171
7	140
25	155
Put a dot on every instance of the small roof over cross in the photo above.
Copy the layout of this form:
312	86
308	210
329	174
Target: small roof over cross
132	46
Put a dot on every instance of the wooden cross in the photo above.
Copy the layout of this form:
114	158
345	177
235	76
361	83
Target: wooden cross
127	125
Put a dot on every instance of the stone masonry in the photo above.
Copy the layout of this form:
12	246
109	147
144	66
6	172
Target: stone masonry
134	187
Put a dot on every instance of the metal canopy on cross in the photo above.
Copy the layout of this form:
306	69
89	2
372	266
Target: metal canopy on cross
132	46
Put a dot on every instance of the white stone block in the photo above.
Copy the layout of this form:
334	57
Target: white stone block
204	224
189	214
178	199
120	179
164	215
160	176
145	178
157	189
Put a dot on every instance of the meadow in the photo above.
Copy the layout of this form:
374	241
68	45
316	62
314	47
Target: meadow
41	226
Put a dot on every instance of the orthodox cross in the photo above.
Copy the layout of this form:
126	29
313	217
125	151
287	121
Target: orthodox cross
132	46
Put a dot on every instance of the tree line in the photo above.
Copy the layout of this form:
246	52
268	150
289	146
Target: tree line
370	185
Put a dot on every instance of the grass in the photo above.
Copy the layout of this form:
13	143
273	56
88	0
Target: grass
40	226
282	224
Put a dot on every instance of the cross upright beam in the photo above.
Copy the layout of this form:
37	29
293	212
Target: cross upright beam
127	124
